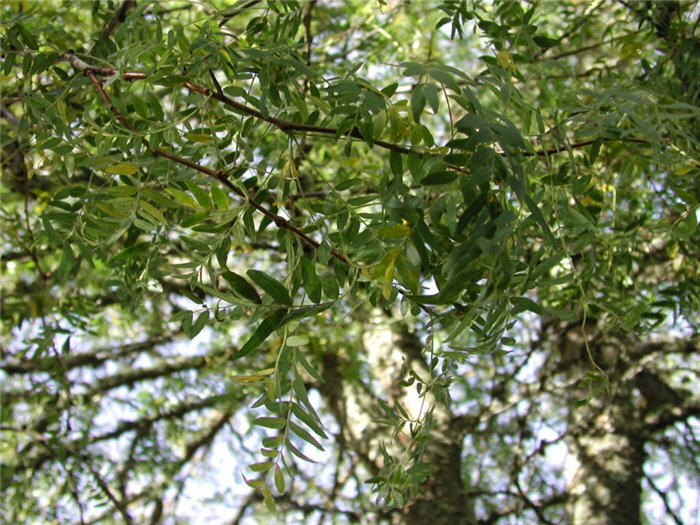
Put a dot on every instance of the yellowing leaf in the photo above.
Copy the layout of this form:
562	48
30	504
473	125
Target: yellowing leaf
290	169
34	309
249	378
684	170
279	479
383	271
182	197
198	137
125	168
153	212
297	340
111	211
267	497
395	231
506	60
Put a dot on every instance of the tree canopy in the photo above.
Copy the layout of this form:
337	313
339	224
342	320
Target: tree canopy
350	261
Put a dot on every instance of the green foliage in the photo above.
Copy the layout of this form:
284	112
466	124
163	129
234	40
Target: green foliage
261	175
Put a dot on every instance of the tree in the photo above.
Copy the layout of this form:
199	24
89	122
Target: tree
397	262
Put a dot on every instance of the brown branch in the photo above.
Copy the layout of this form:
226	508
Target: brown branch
237	12
207	438
219	175
91	75
307	29
92	359
674	415
664	498
283	125
131	376
528	502
164	368
7	114
250	499
288	126
120	505
578	145
122	428
666	346
554	499
308	508
118	18
176	412
13	99
128	465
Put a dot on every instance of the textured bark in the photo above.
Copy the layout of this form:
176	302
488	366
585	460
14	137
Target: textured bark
442	498
606	489
607	436
607	439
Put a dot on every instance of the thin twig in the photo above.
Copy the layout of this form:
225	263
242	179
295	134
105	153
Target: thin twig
219	175
664	498
118	18
237	12
288	127
120	505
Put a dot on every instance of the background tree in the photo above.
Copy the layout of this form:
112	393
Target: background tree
401	262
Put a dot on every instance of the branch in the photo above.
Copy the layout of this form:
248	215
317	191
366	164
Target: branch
307	28
7	114
219	175
122	428
207	438
674	415
664	498
118	18
288	126
555	499
243	508
120	505
130	376
164	368
93	359
667	346
587	48
237	12
536	508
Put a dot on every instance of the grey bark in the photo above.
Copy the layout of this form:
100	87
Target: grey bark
442	498
608	435
609	448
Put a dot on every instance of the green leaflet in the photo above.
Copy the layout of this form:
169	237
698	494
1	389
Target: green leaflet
242	287
268	325
272	286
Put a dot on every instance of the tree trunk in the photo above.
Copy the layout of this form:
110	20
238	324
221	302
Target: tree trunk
606	488
607	439
441	498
